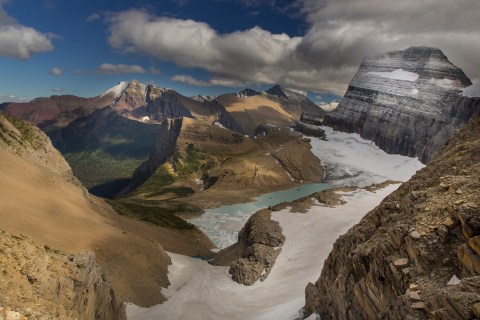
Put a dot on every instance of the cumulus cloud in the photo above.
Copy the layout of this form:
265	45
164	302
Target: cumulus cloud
20	41
55	71
110	69
340	34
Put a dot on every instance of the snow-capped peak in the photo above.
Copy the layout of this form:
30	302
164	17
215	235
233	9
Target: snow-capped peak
472	91
117	90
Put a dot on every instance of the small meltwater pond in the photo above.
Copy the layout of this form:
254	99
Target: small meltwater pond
222	224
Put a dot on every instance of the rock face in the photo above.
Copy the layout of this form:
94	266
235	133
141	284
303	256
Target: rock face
47	284
163	148
254	255
403	259
407	102
310	125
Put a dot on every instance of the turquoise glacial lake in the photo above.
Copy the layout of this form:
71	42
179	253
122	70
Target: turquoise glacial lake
222	224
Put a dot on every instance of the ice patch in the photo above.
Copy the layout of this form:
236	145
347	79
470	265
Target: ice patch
446	83
398	74
453	281
218	124
472	91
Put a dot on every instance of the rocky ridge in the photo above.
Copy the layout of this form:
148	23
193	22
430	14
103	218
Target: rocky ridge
43	283
407	102
415	256
253	256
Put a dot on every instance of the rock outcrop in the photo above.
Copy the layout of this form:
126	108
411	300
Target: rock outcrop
253	256
416	255
43	283
407	102
163	148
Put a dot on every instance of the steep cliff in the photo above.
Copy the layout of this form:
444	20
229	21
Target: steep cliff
43	283
407	102
164	146
417	255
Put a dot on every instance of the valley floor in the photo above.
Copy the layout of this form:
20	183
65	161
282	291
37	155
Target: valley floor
202	291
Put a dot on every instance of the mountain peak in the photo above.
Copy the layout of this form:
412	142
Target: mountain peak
277	90
117	90
247	92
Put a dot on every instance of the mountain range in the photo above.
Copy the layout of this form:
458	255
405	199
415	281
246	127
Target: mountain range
158	157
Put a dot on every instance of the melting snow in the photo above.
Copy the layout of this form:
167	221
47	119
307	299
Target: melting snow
398	74
472	91
351	160
203	291
117	90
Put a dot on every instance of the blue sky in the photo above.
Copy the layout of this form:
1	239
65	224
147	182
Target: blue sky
215	46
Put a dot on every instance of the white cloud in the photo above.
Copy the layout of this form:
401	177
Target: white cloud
55	71
110	69
11	98
340	34
58	89
93	17
19	41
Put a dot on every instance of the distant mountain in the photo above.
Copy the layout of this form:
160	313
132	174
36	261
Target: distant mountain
56	111
119	140
407	102
277	105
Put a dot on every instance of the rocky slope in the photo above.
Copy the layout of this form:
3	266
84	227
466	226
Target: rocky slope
253	256
43	283
407	102
415	256
42	199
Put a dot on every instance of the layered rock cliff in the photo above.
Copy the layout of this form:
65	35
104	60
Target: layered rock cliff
253	256
416	255
43	283
407	102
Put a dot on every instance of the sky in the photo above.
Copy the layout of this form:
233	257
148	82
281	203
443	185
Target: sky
210	47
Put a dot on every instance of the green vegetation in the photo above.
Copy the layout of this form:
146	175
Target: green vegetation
162	213
26	129
98	167
161	178
179	192
193	161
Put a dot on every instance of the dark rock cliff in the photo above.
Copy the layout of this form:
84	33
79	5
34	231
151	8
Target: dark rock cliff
163	148
407	102
416	255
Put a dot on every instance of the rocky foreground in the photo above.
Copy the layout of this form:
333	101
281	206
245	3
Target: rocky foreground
416	255
44	283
